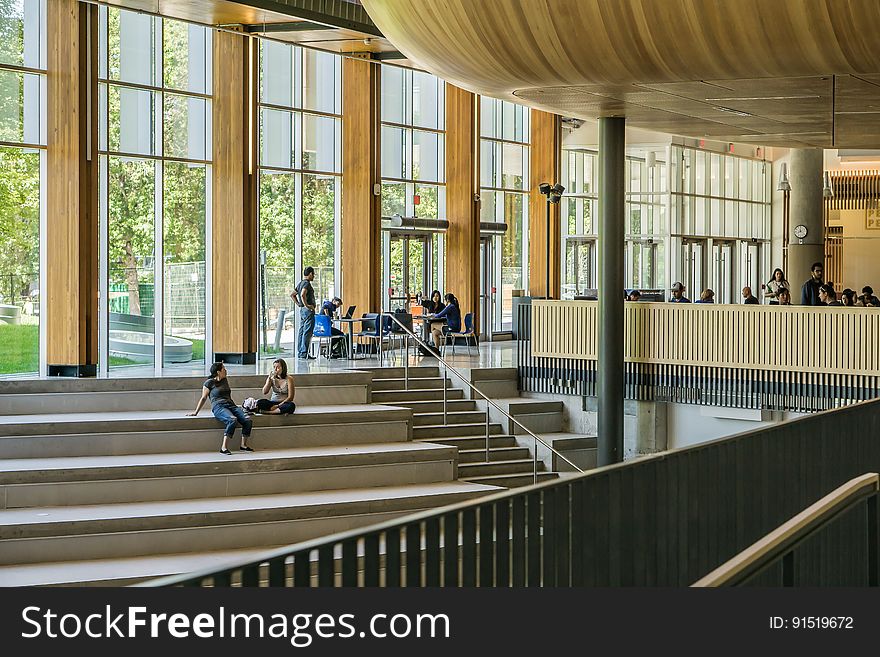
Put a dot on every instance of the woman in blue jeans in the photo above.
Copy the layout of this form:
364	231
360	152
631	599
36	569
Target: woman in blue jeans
224	409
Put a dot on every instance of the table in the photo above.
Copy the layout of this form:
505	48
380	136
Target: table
426	321
350	322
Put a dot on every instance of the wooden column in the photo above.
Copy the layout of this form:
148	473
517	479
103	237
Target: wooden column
234	208
70	304
546	146
361	207
462	211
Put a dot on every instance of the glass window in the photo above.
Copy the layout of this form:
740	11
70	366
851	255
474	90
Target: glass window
427	156
131	122
393	95
320	81
276	73
185	57
393	152
19	107
132	47
20	32
393	199
427	99
185	127
320	151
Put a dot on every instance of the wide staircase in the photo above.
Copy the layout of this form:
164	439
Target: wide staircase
509	463
108	482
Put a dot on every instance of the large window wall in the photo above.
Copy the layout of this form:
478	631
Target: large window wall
646	223
22	158
155	143
300	104
413	161
504	189
720	228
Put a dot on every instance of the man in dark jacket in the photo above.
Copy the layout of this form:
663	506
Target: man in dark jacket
810	290
748	297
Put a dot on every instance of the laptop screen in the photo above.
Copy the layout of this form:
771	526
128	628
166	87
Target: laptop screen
350	312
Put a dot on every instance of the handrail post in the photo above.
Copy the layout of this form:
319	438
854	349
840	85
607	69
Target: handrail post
873	540
535	465
444	393
406	365
487	427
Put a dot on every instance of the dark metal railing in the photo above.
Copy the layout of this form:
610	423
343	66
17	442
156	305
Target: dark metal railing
859	495
662	520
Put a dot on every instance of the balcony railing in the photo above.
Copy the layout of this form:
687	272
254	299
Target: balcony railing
770	357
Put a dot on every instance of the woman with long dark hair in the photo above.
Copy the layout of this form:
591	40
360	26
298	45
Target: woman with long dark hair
452	314
435	303
224	409
283	390
777	282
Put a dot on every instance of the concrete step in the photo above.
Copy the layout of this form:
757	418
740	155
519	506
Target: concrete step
427	371
160	477
495	454
473	442
414	384
120	572
157	421
440	430
517	466
44	534
395	396
452	417
431	406
513	480
96	396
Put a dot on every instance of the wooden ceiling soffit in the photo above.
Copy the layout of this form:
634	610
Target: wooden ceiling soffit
334	13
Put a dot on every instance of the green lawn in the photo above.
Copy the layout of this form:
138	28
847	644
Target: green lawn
20	345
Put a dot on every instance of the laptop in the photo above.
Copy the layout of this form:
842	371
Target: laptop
349	313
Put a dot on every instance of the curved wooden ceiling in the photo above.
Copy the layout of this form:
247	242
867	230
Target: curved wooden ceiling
775	72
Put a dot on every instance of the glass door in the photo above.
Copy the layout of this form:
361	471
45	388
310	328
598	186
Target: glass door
408	275
693	267
723	277
580	267
487	288
751	267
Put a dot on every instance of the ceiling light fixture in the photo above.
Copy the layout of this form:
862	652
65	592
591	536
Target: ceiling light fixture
827	189
727	110
784	185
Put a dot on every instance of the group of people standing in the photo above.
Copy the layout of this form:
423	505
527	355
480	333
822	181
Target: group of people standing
777	292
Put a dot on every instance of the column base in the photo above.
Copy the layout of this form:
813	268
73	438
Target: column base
74	371
236	358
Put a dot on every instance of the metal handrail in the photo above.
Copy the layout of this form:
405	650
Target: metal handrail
782	541
489	402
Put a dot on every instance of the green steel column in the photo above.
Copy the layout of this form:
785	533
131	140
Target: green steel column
609	386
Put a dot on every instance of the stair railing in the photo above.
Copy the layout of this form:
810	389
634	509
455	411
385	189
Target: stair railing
489	403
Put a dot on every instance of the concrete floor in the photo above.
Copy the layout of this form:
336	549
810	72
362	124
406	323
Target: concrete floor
491	354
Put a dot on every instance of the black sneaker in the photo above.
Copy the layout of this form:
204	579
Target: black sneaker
226	451
245	448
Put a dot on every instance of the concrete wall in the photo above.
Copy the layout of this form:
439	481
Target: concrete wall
690	425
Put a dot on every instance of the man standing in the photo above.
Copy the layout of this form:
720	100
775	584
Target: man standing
748	297
304	297
810	290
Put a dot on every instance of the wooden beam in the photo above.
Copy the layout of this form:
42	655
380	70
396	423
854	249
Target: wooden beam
361	207
546	145
462	163
70	306
234	215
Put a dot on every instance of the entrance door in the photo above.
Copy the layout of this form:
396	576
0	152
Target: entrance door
487	288
693	267
410	265
751	267
723	280
580	267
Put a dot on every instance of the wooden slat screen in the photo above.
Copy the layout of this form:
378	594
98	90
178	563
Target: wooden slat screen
795	339
854	190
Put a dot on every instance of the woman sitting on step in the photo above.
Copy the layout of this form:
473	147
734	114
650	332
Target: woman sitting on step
224	409
283	390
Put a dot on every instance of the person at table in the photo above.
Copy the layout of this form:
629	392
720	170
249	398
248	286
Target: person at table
748	297
634	295
706	296
330	309
452	314
783	295
678	293
827	295
435	303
